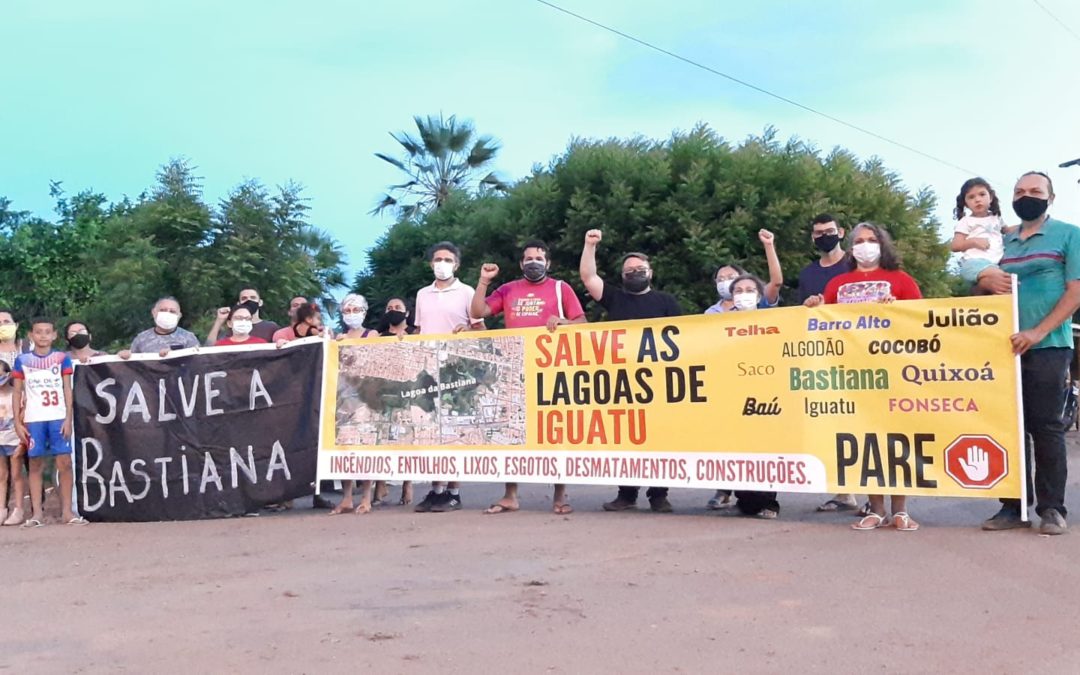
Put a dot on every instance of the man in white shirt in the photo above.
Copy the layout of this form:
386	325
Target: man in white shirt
441	308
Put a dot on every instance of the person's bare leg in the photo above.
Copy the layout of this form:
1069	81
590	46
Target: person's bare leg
381	491
346	503
406	493
4	487
67	484
899	503
877	504
37	467
18	488
560	502
366	489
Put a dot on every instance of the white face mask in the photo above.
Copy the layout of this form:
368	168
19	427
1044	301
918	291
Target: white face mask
867	252
354	320
723	288
241	327
443	270
745	301
166	321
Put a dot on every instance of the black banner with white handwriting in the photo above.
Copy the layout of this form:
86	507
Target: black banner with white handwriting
211	434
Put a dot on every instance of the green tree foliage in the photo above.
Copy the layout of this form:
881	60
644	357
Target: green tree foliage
693	202
107	264
446	156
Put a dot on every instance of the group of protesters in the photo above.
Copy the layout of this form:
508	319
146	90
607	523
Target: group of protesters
1044	253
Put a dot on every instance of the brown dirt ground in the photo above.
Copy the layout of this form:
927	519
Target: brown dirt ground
399	592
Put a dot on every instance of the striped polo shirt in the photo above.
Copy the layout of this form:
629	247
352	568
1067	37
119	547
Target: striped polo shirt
1043	263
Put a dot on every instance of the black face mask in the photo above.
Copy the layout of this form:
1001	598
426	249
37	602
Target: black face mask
826	242
79	340
252	306
534	271
1030	208
635	282
395	316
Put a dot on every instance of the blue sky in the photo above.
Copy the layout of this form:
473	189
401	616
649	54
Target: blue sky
98	95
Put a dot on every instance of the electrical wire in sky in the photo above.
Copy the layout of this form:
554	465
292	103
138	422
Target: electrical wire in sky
761	90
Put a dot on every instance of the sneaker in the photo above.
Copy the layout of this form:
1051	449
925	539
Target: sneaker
446	502
15	518
620	503
660	505
317	502
1053	522
1005	519
425	506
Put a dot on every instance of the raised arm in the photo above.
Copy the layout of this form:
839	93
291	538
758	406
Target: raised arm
219	320
478	308
776	274
587	269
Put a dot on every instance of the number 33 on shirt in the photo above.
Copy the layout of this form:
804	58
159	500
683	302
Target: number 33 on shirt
44	385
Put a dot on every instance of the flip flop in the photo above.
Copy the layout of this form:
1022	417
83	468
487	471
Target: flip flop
78	520
500	508
835	505
903	522
870	521
32	523
562	509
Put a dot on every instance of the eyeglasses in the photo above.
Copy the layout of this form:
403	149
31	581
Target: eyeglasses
819	235
353	309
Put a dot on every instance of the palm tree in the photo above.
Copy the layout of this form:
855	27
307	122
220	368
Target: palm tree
446	157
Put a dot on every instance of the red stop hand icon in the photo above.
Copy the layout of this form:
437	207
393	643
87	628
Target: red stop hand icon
976	462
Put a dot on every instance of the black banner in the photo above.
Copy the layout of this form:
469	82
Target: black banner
211	434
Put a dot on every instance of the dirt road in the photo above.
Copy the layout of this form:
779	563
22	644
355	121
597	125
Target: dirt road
398	592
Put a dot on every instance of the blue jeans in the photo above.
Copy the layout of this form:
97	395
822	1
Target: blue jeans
1045	375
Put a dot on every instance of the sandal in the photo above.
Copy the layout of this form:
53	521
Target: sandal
767	514
870	521
500	508
717	503
865	509
835	504
33	522
563	509
78	520
903	522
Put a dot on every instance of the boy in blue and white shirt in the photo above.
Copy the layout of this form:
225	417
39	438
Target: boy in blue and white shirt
43	392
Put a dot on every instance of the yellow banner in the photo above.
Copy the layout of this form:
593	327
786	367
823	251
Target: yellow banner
913	397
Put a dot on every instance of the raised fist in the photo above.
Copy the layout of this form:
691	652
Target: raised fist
488	271
765	236
592	237
223	312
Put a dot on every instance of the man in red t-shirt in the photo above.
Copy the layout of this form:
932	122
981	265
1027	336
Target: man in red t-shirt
534	301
